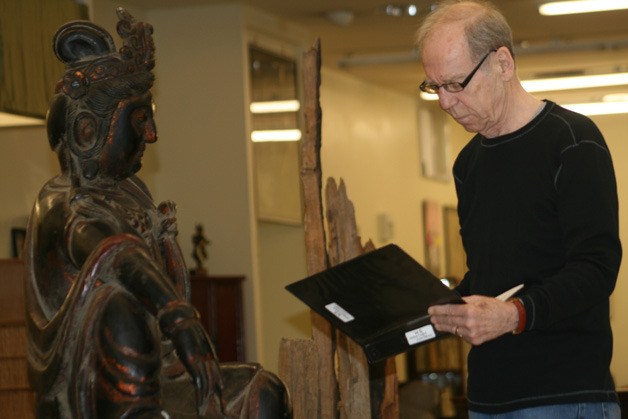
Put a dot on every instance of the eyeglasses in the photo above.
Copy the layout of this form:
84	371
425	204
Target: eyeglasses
454	86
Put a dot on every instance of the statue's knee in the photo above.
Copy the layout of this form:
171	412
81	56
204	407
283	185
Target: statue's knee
254	393
126	326
128	361
127	341
273	397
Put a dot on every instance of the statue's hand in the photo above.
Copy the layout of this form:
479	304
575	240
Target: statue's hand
168	216
180	323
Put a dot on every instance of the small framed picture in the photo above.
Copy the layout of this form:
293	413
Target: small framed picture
18	236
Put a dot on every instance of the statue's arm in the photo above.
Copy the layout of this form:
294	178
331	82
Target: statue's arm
134	269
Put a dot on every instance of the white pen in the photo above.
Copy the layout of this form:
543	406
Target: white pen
507	294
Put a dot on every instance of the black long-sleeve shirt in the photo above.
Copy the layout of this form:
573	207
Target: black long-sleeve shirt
539	206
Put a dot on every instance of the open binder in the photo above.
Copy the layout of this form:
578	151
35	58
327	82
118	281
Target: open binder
378	299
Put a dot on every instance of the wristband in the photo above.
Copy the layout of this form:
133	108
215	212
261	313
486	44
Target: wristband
522	316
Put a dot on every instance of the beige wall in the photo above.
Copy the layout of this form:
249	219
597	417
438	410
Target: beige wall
202	161
26	163
370	140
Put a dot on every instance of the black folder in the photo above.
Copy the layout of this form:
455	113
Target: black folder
378	299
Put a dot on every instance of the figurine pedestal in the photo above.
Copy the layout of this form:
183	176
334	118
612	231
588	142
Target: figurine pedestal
218	300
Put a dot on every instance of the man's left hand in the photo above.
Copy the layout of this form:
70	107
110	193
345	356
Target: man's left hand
480	320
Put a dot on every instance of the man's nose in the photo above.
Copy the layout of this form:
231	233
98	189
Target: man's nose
446	99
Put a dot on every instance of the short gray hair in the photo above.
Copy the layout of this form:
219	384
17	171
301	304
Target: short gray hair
484	25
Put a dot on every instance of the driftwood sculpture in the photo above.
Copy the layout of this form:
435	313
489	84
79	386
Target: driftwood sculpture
111	331
328	376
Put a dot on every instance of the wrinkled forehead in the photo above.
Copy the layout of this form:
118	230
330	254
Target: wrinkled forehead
445	50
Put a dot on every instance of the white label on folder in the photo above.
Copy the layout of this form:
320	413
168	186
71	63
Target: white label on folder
421	334
339	312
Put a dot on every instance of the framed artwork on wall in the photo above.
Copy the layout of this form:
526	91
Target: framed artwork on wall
434	145
455	257
433	237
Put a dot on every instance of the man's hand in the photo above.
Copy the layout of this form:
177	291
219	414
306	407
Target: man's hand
480	320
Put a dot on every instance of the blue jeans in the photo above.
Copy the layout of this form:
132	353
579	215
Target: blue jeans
558	411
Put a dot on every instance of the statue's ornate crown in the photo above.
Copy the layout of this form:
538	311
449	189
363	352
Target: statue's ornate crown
90	56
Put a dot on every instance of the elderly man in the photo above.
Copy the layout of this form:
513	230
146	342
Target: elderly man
537	203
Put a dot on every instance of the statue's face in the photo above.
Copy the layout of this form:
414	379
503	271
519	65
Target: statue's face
132	126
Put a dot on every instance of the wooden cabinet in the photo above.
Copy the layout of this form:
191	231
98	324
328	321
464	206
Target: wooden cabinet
218	300
16	398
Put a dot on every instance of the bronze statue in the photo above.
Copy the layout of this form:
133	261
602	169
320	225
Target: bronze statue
199	249
111	331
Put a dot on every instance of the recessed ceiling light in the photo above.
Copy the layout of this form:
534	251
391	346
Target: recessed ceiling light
341	17
400	10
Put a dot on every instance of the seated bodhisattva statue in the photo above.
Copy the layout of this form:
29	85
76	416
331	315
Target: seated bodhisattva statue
111	331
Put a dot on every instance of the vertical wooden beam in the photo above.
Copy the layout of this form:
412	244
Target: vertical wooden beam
315	241
298	368
337	371
365	390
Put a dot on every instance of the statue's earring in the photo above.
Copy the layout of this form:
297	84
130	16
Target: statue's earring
85	139
90	168
85	132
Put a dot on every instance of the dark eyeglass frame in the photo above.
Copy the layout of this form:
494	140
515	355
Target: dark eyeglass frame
454	86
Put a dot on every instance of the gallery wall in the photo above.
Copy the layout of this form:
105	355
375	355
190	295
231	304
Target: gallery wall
370	140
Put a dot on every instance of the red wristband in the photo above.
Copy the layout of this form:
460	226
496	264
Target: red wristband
522	315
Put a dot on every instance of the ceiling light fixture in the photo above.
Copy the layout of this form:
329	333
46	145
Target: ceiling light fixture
575	82
276	135
341	17
611	105
563	83
275	106
13	120
555	8
428	96
400	10
599	108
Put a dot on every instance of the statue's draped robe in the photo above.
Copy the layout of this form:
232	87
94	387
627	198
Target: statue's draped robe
67	343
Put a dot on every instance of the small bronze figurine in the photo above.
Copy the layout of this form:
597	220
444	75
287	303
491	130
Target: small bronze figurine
199	251
111	331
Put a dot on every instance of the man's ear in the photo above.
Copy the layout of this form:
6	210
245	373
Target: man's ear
506	63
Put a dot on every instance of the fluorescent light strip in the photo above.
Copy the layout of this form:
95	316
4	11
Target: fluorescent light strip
575	82
13	120
428	96
276	106
598	108
276	135
581	6
609	107
564	83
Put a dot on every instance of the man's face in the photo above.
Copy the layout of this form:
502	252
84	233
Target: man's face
446	58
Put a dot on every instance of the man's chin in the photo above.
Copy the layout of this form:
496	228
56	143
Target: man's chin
466	124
